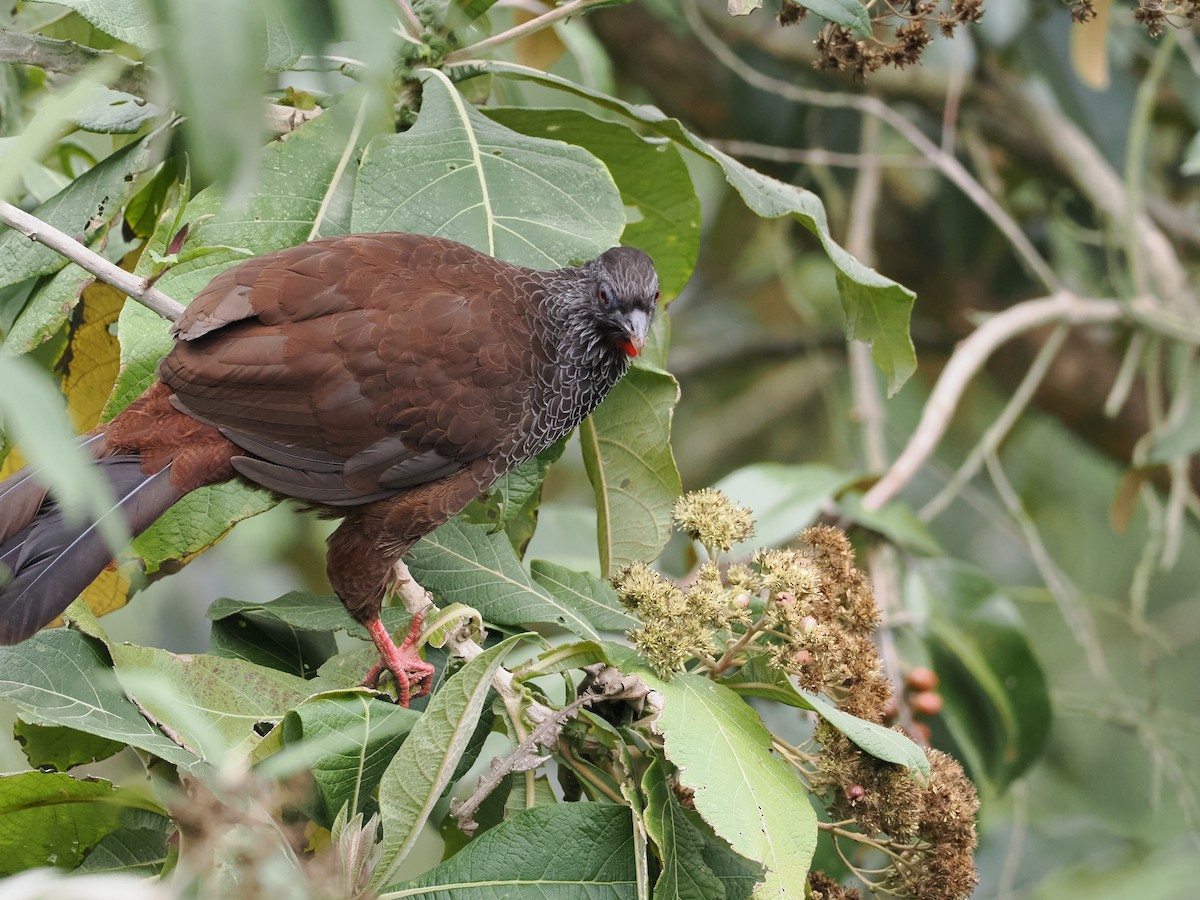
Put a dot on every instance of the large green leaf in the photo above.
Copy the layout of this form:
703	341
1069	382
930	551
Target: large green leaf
62	677
512	502
997	703
207	703
877	309
749	797
52	819
458	175
348	739
126	20
627	452
569	851
134	850
663	210
424	767
93	199
683	845
470	564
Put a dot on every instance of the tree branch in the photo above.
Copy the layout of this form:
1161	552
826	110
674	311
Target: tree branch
546	19
131	285
966	362
68	58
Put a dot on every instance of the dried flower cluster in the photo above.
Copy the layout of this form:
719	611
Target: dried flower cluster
809	612
930	822
821	608
1154	14
900	34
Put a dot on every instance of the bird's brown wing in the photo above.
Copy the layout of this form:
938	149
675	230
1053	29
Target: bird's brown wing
349	370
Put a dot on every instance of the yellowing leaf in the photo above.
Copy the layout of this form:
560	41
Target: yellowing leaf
94	355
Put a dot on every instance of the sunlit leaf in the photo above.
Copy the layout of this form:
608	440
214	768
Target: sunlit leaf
627	452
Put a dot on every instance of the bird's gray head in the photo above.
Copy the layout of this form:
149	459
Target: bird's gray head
624	296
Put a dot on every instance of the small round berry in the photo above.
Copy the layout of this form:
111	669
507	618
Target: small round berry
926	703
808	625
921	678
855	794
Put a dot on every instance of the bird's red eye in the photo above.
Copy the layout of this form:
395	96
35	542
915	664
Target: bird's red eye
657	294
602	296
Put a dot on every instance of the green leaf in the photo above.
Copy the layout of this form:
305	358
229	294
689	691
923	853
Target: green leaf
49	307
52	819
302	611
468	564
997	702
126	20
758	679
131	851
261	638
414	781
662	209
197	521
512	502
877	308
562	658
116	112
680	841
571	851
61	677
749	797
896	521
785	499
848	13
206	702
91	201
627	453
347	738
59	748
583	591
882	743
458	175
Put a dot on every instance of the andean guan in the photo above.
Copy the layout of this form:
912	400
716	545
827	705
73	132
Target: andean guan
388	379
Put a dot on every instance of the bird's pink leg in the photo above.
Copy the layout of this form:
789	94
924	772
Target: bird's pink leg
403	662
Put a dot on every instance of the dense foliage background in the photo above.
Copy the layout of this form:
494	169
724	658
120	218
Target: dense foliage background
1017	477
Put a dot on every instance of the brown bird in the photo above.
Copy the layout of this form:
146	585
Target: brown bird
385	378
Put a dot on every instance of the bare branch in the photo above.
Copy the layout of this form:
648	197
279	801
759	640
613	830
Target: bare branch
964	365
872	106
37	230
546	19
68	58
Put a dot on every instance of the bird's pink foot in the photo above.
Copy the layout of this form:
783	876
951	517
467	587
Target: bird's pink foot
414	676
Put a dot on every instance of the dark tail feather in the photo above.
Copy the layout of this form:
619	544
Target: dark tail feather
50	560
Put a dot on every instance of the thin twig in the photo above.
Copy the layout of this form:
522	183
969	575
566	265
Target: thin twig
1066	594
37	230
525	29
999	429
964	364
872	106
